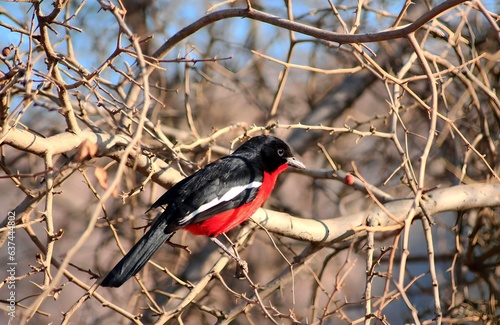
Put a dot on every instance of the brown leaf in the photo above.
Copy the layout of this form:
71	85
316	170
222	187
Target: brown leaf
87	149
102	177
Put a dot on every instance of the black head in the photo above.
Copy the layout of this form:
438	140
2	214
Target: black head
269	152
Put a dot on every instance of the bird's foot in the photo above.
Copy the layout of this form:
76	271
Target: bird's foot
241	269
175	245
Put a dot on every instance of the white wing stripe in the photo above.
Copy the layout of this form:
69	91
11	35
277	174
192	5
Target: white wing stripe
231	194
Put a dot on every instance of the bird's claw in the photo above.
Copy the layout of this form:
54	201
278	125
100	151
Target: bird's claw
241	269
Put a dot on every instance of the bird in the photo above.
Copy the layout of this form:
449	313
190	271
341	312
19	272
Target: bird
211	201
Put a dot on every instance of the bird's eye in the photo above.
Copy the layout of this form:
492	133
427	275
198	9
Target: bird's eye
281	152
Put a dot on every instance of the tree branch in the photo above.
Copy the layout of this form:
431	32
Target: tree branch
341	228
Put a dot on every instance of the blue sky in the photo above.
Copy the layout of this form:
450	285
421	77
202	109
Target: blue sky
178	15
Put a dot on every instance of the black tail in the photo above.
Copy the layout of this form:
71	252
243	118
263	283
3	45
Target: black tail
139	255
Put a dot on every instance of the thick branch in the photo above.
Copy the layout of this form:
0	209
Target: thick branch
456	198
297	27
305	29
108	145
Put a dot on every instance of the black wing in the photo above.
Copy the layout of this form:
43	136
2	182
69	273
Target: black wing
221	186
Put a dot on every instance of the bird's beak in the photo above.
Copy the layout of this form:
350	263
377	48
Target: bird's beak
291	161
